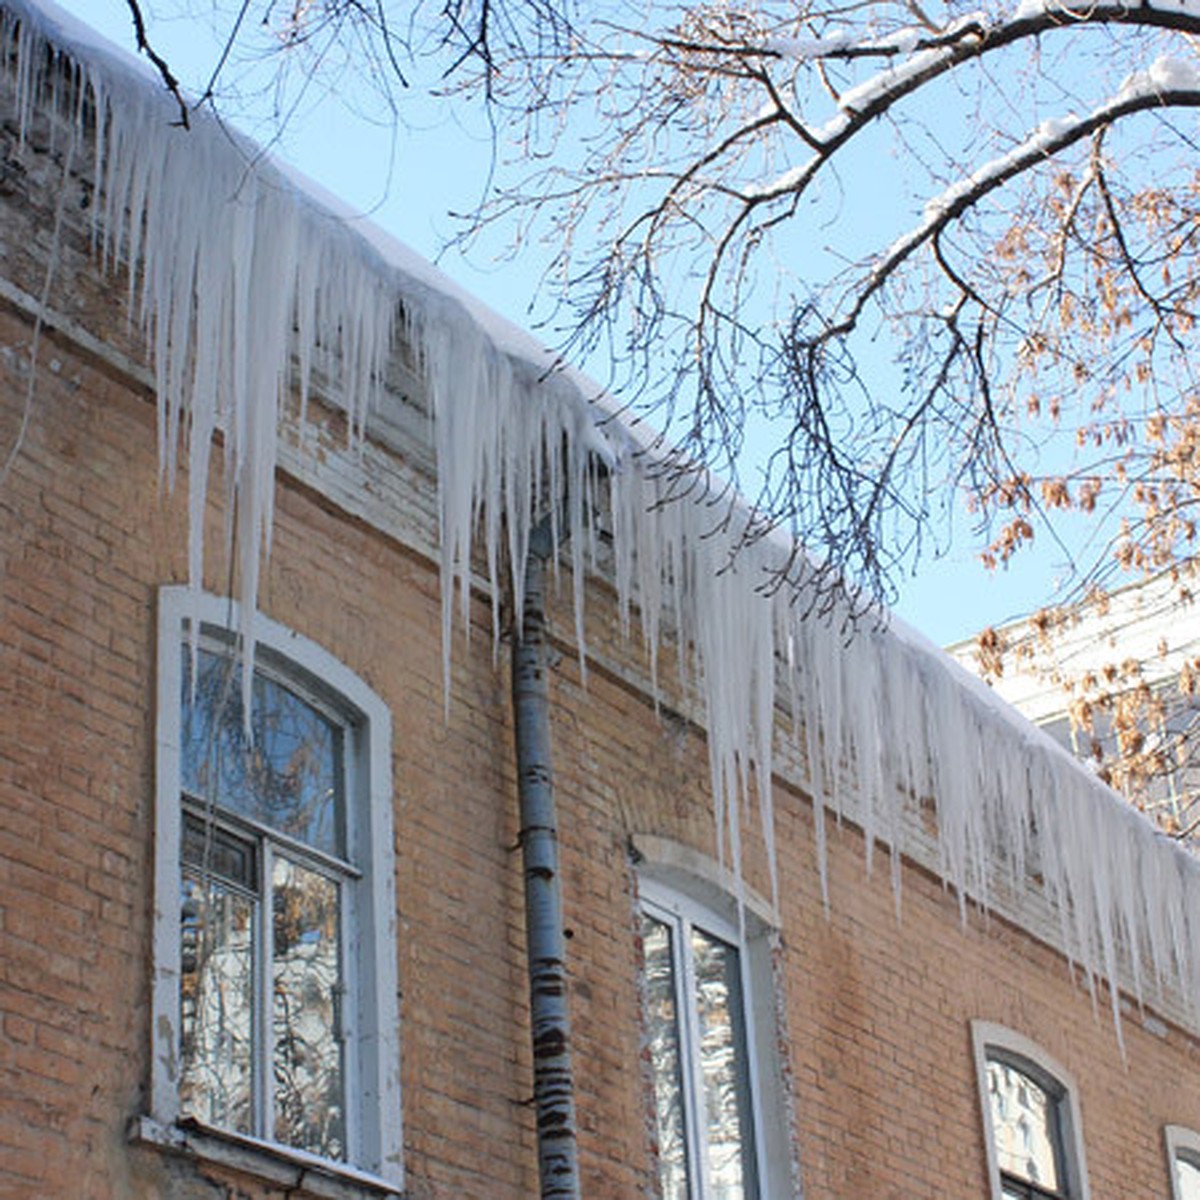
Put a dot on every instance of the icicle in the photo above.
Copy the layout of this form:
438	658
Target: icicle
245	285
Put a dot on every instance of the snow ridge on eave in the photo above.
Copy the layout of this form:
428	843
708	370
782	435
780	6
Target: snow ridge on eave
883	723
889	725
1012	802
247	277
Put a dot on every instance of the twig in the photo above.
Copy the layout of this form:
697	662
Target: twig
168	76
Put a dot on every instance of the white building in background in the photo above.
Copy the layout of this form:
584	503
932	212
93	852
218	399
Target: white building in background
1125	666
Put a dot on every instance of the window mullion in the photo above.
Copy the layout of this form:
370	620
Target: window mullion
693	1075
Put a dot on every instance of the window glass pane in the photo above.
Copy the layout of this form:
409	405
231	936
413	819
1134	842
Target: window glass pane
307	987
216	1003
1188	1176
721	1035
1024	1122
215	851
286	775
663	1034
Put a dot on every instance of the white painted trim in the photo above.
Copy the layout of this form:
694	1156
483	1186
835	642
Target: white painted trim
1182	1143
376	1141
694	873
987	1036
280	1166
678	881
164	1072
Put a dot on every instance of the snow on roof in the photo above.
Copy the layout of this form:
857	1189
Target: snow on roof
246	279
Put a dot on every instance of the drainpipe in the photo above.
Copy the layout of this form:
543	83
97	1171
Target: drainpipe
553	1089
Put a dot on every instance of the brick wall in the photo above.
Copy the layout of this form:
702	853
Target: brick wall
877	1008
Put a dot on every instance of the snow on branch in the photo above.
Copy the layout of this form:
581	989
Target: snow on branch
1167	84
721	205
928	56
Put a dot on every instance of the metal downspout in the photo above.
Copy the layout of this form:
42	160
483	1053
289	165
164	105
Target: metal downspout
553	1086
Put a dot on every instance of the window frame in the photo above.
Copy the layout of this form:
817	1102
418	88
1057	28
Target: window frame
686	885
374	1135
1183	1145
996	1042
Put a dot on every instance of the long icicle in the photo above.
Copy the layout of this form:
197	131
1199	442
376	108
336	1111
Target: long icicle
246	282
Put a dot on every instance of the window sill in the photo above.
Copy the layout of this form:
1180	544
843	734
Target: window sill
293	1170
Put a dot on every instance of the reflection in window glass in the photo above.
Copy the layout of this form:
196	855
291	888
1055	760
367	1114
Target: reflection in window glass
720	1039
287	774
1026	1132
663	1036
307	993
263	881
217	1004
699	1060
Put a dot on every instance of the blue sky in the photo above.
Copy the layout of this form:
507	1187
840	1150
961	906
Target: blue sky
409	178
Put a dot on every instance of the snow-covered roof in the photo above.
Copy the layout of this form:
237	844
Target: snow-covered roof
248	279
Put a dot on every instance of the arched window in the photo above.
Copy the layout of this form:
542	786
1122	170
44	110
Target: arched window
1031	1119
720	1113
275	1019
1183	1156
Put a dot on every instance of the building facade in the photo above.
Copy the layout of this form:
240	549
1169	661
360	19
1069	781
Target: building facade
1113	681
262	917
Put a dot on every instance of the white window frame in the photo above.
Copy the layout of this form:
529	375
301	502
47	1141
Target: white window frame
1183	1144
372	1082
680	882
997	1041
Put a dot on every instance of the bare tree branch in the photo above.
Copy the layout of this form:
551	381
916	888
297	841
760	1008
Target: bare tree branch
164	70
705	161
